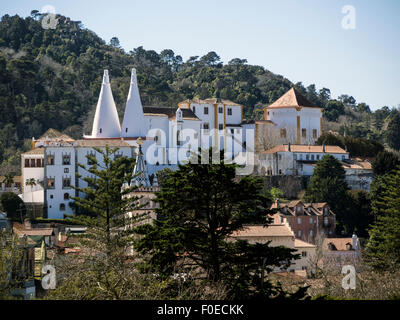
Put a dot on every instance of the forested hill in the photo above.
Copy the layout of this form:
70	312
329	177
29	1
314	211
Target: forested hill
50	78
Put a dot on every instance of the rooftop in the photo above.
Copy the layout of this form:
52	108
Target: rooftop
53	134
35	151
273	230
102	143
305	149
338	243
292	99
302	244
187	114
209	101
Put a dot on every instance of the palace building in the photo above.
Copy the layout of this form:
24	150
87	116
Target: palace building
165	136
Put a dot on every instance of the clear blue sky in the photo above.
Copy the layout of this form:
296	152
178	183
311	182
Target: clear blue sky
302	40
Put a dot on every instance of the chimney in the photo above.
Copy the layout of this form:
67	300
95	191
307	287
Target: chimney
354	239
27	224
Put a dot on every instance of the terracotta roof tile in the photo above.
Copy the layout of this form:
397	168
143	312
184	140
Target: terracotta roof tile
339	243
273	230
305	149
292	99
302	244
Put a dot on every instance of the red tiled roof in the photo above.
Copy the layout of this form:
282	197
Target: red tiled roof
305	149
292	99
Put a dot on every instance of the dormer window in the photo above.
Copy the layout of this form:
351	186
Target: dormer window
331	246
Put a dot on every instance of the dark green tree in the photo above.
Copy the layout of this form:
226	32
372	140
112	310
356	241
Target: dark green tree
333	109
104	205
393	132
13	206
328	184
385	162
330	139
201	205
383	248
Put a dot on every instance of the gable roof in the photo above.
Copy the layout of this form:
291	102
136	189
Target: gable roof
55	134
292	99
187	114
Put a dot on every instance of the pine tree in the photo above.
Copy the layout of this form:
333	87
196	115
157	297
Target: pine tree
393	132
328	184
383	248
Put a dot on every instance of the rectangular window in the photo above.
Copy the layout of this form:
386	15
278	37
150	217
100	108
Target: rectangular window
66	183
205	110
194	109
299	233
39	163
205	126
229	111
51	183
66	170
314	133
304	133
50	160
304	253
66	160
299	220
220	109
27	163
283	133
33	163
311	220
295	156
220	126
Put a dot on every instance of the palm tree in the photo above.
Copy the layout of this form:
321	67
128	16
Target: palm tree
9	178
31	182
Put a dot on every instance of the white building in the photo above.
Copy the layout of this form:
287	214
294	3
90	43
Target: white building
293	159
53	165
298	119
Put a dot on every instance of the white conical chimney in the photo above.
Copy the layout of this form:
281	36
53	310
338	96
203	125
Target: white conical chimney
134	123
106	121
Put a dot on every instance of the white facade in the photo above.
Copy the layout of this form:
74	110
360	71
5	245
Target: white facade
298	120
58	173
296	159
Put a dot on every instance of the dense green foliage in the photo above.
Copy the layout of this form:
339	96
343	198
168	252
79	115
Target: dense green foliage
328	184
385	162
13	206
201	205
393	132
383	248
357	147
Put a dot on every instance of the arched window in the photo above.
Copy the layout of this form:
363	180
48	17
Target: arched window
66	196
62	207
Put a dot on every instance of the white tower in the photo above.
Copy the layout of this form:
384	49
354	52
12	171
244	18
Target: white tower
134	123
106	121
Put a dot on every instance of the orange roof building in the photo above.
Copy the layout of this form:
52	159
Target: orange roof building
298	119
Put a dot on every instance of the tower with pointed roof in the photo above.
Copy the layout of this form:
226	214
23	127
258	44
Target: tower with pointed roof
140	174
106	122
298	119
134	123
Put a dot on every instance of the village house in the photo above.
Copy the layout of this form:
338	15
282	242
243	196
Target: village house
307	220
280	234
